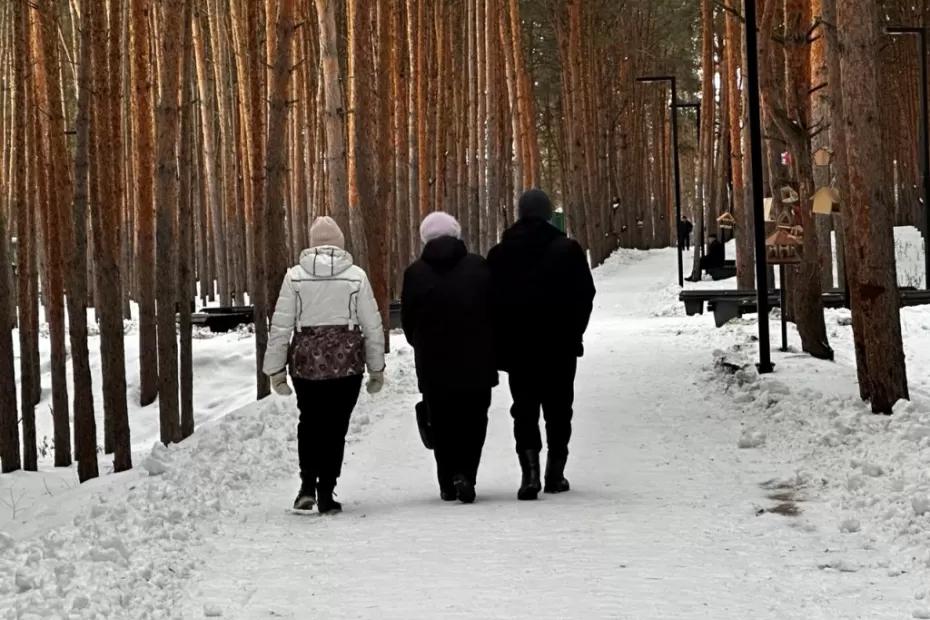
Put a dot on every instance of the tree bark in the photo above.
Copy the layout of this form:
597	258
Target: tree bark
867	220
166	205
144	143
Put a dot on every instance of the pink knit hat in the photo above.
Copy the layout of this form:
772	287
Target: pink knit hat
439	224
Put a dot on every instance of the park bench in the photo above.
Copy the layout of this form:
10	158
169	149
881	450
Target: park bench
224	319
729	305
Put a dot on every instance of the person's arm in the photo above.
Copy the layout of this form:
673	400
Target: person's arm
408	310
283	323
369	318
582	290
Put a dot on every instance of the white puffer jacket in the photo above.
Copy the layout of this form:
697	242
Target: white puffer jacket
325	289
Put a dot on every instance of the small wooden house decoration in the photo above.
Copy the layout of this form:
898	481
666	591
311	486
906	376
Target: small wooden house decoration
789	195
823	157
783	247
726	221
767	208
827	201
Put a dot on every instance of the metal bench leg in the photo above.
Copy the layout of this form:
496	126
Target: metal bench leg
725	312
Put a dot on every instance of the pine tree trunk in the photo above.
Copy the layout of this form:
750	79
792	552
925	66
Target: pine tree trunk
206	88
185	291
57	186
272	223
166	205
106	215
85	424
334	117
144	143
873	283
25	250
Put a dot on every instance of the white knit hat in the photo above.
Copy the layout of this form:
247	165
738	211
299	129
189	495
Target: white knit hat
326	232
439	224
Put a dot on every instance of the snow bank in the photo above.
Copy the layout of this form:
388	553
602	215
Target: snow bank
869	473
127	554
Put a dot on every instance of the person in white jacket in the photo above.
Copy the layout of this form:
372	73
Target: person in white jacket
326	328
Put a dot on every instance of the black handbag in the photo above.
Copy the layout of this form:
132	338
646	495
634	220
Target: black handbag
423	425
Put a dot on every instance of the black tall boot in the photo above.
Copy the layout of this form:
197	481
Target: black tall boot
324	499
529	486
555	475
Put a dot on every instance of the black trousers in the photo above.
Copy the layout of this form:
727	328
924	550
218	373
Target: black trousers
550	385
459	421
325	410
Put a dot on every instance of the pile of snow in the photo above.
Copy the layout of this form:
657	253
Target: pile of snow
126	554
869	473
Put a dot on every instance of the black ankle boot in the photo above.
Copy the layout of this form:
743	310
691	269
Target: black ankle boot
464	490
555	475
306	498
529	486
325	501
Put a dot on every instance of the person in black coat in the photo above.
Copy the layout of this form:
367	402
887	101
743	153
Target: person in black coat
446	318
715	256
543	294
685	228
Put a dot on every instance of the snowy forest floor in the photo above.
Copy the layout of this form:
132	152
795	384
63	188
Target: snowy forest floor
698	492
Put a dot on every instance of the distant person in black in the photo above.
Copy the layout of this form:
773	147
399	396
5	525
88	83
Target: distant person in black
446	318
542	293
685	227
715	256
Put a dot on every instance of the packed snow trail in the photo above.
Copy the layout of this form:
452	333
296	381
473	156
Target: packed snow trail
662	521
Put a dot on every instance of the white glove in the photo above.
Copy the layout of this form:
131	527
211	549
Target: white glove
375	382
279	384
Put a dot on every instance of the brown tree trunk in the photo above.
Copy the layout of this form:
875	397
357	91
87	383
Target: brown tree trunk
85	424
57	191
106	213
873	284
144	143
27	285
166	205
271	223
335	122
185	242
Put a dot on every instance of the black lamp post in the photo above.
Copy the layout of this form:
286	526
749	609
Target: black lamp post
675	165
758	209
924	136
699	246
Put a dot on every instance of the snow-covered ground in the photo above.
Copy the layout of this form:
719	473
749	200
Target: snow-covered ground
700	490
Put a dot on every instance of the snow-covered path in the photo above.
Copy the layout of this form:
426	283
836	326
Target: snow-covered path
661	523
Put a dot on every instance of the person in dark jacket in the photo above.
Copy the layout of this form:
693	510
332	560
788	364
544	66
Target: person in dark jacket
542	296
715	256
446	319
685	228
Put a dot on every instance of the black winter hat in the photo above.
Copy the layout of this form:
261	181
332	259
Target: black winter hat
535	204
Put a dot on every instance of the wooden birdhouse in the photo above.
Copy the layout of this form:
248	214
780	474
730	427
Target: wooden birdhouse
767	208
726	221
827	201
789	195
823	157
783	247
